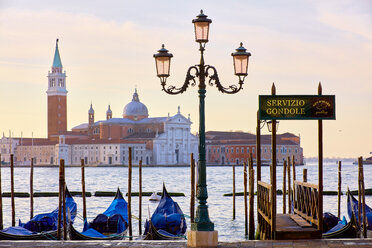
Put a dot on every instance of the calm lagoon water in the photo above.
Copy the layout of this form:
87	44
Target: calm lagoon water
177	179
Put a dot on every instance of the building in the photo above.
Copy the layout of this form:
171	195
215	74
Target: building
154	140
225	148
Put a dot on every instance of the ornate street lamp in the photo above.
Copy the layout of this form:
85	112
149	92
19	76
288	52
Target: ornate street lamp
202	72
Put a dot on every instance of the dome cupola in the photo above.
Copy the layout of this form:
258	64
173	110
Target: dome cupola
135	110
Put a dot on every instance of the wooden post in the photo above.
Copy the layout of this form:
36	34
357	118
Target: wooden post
12	188
258	156
320	168
361	182
64	209
83	189
359	196
304	175
289	185
140	197
60	194
284	186
1	201
273	173
293	181
245	200
192	198
339	191
233	177
130	193
251	198
32	189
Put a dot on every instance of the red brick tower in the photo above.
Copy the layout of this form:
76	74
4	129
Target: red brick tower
57	98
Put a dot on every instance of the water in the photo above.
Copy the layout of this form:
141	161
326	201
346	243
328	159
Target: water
219	181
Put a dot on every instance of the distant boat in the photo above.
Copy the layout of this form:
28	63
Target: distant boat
155	197
365	161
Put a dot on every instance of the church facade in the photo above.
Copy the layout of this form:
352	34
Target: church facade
153	140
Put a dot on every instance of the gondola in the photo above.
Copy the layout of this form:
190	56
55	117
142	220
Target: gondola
110	225
343	229
40	227
353	208
167	222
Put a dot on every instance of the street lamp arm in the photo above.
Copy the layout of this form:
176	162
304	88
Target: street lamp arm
190	79
214	79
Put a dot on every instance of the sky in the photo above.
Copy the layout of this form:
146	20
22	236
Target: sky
107	49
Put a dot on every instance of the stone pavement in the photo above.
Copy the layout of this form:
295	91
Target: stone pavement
340	243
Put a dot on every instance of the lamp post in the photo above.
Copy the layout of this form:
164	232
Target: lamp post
203	72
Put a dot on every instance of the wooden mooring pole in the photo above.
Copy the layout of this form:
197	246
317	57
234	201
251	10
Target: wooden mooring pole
1	201
233	178
273	173
251	198
64	204
339	191
60	195
284	186
192	197
304	175
293	181
320	169
140	197
32	189
289	185
245	200
130	194
258	158
362	193
83	189
12	188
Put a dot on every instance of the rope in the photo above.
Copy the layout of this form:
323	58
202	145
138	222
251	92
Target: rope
48	236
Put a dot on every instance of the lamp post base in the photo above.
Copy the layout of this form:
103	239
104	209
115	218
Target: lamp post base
202	239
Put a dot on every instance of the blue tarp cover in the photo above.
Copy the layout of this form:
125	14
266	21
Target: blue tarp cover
93	233
48	221
168	216
113	220
17	230
339	226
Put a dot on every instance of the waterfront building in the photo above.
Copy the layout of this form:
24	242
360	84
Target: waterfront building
154	140
226	148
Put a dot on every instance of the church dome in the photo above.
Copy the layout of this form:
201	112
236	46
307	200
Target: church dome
135	110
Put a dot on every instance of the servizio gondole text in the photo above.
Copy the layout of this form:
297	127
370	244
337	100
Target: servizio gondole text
286	107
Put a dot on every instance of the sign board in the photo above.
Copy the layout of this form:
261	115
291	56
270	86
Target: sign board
297	107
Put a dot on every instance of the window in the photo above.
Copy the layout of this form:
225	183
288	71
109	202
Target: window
232	150
242	150
252	149
247	149
237	150
214	150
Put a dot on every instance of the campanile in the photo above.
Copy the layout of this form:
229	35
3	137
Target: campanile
57	97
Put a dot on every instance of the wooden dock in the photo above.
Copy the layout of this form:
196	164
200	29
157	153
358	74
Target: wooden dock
292	226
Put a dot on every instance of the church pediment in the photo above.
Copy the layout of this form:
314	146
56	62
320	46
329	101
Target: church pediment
178	119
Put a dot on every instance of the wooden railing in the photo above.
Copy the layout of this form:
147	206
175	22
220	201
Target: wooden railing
305	201
264	209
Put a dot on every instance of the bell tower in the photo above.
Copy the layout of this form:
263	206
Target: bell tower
90	120
108	113
57	97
